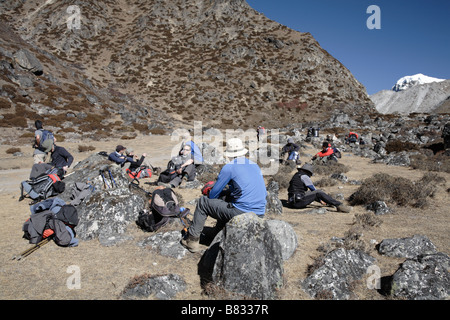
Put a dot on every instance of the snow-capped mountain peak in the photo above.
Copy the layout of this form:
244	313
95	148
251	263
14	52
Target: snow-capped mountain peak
410	81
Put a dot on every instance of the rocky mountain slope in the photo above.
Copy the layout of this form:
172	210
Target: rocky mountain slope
140	65
432	97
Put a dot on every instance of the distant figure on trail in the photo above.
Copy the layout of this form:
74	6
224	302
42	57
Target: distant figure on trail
302	192
260	131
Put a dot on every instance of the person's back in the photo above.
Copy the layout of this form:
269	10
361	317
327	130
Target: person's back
247	188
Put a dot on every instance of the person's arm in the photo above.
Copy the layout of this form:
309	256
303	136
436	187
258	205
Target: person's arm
67	156
308	182
222	180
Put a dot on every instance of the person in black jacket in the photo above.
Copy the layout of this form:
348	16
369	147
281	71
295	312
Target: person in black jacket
302	192
61	158
290	152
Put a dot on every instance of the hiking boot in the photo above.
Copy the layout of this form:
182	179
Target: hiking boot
343	208
191	243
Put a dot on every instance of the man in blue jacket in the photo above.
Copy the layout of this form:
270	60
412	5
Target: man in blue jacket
246	193
118	157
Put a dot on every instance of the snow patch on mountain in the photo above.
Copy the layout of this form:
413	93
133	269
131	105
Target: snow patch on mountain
411	81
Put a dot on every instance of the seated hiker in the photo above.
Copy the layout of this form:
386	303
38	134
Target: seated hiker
352	138
184	166
246	193
61	158
301	191
326	154
195	150
118	156
139	167
290	152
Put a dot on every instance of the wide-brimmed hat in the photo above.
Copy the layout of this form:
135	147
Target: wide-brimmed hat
235	148
307	167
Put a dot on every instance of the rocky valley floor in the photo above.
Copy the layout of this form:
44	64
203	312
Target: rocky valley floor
105	271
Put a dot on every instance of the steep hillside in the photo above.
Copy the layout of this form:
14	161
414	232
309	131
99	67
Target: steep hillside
216	61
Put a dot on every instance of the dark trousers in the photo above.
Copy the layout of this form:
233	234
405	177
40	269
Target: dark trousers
216	208
312	196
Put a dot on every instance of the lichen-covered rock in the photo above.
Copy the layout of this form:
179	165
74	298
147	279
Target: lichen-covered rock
339	268
407	247
423	278
245	258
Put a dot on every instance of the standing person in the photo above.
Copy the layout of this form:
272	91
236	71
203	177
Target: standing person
260	131
61	158
247	193
302	192
43	142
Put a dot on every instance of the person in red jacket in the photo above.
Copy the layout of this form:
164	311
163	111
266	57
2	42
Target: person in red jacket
352	137
326	154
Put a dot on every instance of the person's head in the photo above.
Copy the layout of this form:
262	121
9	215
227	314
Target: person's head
235	148
38	124
120	149
325	145
129	152
307	169
186	149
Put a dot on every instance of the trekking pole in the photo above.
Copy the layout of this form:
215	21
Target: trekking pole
112	178
104	180
32	249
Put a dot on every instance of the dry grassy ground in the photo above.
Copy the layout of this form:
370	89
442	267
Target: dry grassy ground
105	271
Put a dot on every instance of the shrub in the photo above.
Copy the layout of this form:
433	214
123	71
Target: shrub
13	150
396	190
85	148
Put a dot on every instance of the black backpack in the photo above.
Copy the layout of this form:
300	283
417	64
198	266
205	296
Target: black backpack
164	207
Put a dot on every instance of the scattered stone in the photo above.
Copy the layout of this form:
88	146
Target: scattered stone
406	247
166	244
162	287
424	277
339	269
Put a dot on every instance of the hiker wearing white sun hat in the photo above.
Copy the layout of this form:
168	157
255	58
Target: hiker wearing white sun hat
235	148
246	193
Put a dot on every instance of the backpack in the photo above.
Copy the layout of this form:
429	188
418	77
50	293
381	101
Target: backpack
164	206
46	141
140	173
46	223
169	174
44	186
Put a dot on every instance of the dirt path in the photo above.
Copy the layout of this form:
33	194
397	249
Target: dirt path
105	271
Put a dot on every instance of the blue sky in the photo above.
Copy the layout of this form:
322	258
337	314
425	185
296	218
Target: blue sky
414	36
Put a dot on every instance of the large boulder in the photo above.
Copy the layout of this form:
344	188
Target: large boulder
26	60
111	205
406	247
245	258
339	268
424	277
